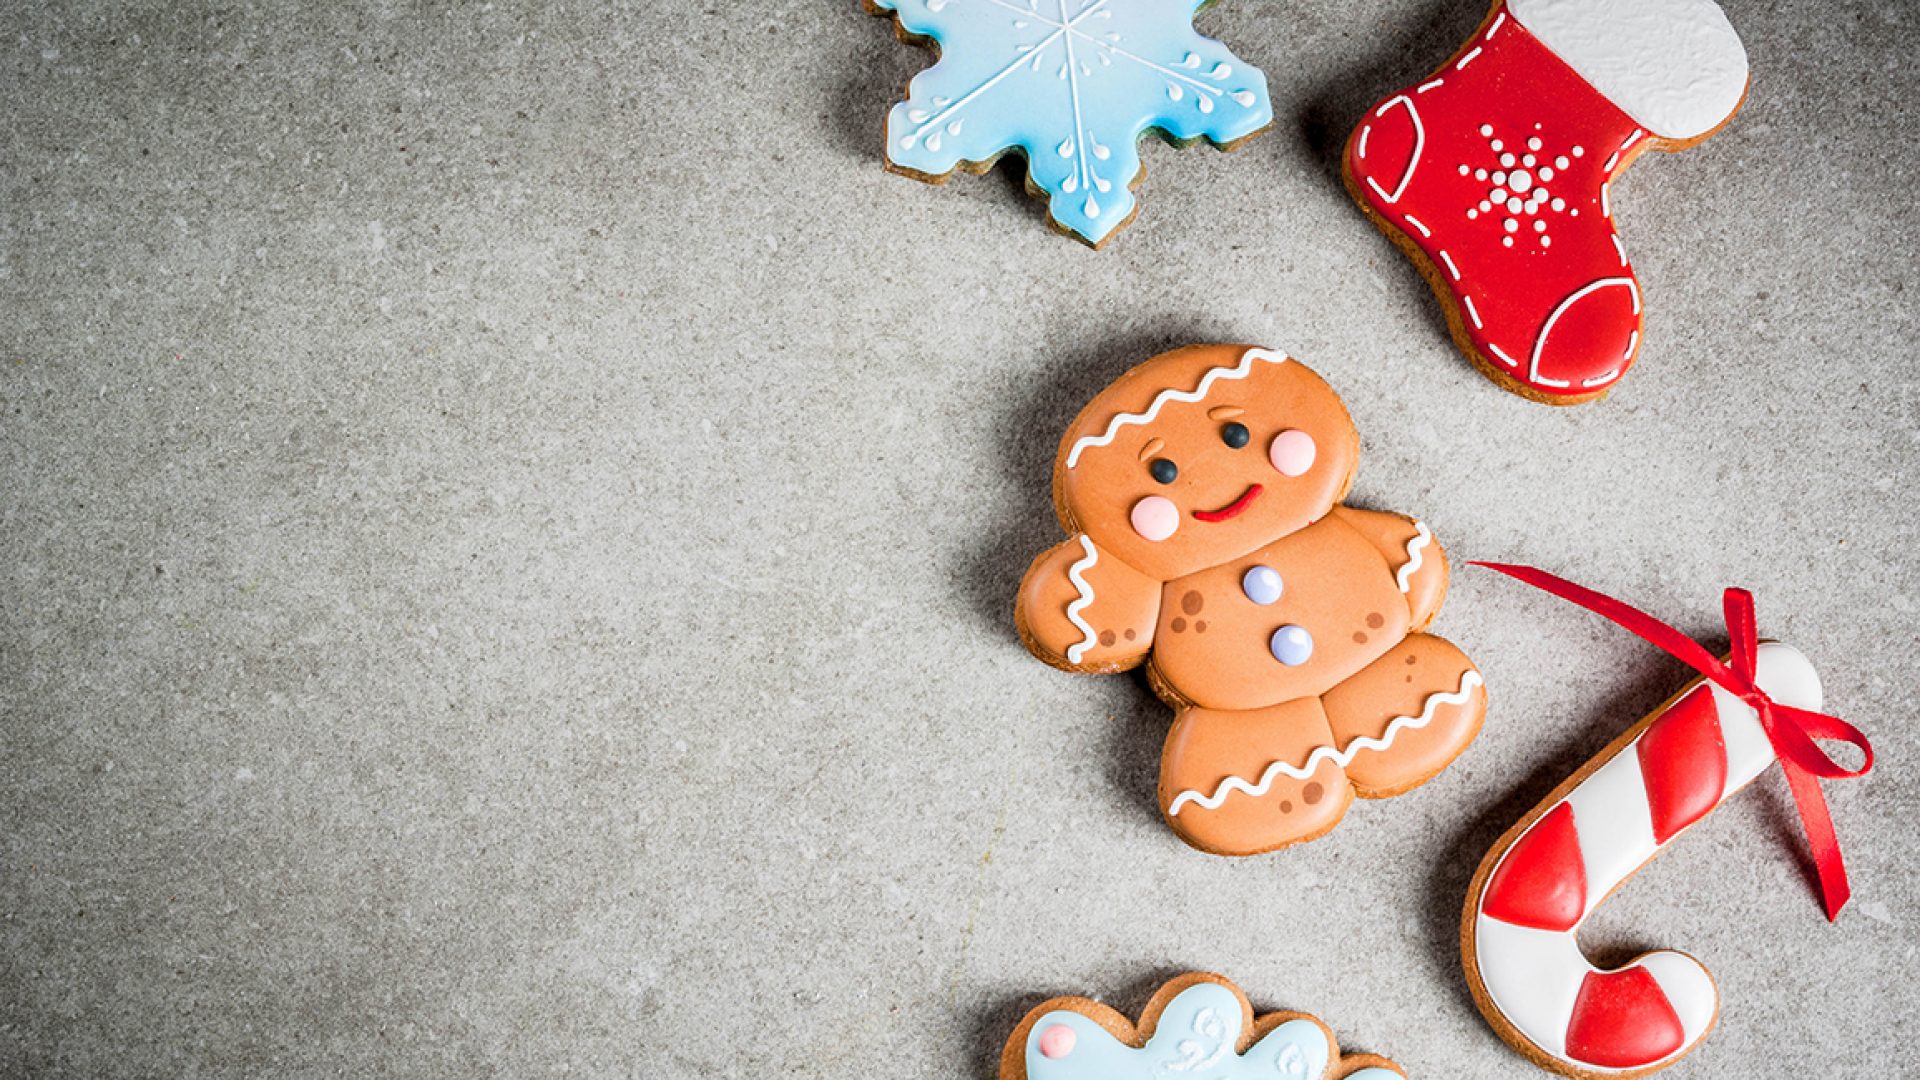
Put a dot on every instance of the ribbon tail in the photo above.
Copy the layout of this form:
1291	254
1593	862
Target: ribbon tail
1652	630
1828	866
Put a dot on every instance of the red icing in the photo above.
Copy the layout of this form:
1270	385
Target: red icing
1233	509
1683	758
1542	882
1622	1020
1556	309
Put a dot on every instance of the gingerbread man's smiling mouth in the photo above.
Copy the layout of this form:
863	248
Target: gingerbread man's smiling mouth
1232	509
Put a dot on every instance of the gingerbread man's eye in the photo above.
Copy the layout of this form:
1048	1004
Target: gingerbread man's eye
1163	470
1235	435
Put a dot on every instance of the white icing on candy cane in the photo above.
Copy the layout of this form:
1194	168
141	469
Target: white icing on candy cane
1239	371
1077	574
1469	681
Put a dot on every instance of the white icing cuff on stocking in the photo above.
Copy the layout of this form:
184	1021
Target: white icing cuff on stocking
1675	66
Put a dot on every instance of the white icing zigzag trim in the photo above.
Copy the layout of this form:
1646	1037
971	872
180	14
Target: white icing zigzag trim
1213	375
1077	574
1416	554
1468	682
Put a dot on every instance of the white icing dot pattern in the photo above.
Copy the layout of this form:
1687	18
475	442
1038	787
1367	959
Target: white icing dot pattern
1520	185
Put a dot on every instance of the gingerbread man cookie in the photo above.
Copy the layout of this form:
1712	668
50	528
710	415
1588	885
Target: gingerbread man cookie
1495	173
1198	1026
1202	492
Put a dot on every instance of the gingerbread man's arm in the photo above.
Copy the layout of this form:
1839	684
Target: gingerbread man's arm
1419	566
1081	609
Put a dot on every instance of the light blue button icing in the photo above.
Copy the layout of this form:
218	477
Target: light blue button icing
1292	645
1194	1040
1072	84
1262	584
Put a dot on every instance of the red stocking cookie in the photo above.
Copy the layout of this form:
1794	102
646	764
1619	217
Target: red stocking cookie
1202	493
1494	175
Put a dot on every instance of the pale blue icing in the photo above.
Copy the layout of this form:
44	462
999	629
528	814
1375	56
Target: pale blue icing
1262	584
1292	645
1073	84
1194	1040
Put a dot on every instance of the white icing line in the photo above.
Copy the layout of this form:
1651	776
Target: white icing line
1540	342
1238	371
1467	59
1615	159
1621	248
1448	259
1502	354
1365	131
1415	222
1598	379
1077	574
1495	28
1419	145
1604	209
1472	314
1468	682
1632	340
1426	86
1416	554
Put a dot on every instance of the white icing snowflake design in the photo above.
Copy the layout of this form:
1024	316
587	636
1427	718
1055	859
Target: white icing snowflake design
1520	197
1071	84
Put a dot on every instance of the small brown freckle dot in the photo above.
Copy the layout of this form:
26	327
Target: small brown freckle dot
1409	678
1286	807
1179	624
1360	637
1376	620
1192	602
1131	635
1199	626
1413	660
1106	637
1312	793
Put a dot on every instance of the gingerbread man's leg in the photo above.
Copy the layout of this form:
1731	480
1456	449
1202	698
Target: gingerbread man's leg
1244	782
1404	717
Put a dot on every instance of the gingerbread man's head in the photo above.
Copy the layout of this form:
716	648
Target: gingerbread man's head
1202	455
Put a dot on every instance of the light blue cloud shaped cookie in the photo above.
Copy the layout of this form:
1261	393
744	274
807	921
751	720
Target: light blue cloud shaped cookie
1195	1039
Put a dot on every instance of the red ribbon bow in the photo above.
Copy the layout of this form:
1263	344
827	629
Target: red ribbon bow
1791	731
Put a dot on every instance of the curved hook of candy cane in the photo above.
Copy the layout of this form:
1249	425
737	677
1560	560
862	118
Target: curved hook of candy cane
1541	881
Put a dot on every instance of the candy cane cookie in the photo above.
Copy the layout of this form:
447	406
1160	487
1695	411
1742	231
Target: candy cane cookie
1537	886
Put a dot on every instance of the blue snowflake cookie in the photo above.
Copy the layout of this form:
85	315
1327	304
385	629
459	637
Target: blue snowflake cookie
1071	85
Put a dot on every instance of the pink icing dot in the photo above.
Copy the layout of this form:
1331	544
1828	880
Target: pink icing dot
1292	452
1057	1041
1155	517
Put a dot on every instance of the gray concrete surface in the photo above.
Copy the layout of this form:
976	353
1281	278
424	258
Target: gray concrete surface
509	520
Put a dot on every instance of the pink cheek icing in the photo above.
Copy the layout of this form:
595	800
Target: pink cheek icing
1292	452
1057	1041
1155	517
